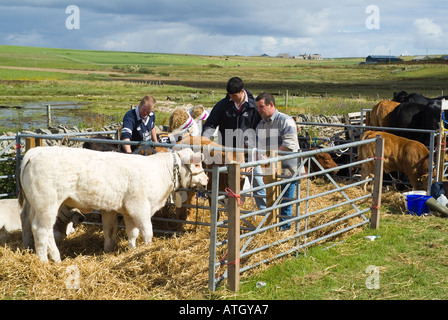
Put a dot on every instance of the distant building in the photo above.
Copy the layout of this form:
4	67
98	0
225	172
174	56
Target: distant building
376	59
315	57
444	58
420	58
283	55
301	56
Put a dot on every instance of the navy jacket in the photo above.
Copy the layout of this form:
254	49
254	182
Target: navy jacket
226	116
135	129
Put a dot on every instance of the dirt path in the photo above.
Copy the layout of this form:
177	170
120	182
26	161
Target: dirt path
63	70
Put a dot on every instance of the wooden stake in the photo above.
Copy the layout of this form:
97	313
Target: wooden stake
233	236
377	184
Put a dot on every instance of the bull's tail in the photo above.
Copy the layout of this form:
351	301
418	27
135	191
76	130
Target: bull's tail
21	196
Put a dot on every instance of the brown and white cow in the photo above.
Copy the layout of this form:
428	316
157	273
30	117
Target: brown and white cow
400	154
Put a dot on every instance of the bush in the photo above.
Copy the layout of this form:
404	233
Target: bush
145	70
7	185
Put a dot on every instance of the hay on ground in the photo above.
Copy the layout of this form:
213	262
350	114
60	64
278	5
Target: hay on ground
171	267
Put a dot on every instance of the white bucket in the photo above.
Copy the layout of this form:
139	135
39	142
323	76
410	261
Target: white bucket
417	193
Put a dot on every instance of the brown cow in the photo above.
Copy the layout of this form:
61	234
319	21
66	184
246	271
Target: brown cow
380	114
400	154
325	160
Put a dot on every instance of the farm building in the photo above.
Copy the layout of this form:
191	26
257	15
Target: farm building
376	59
283	55
420	58
315	57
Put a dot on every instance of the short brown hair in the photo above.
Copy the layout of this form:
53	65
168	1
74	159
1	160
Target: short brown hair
148	100
267	97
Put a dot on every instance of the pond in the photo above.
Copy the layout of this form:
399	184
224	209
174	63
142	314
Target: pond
29	115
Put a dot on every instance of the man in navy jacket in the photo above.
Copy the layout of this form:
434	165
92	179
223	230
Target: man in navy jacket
139	124
237	111
236	118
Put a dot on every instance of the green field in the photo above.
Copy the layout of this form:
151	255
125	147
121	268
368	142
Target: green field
110	81
410	256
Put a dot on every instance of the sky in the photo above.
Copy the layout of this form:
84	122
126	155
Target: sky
347	28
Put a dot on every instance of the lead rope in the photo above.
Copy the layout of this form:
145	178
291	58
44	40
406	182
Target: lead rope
175	172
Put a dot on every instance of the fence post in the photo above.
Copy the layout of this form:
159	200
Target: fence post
18	160
233	235
441	158
272	193
32	143
377	184
213	230
48	116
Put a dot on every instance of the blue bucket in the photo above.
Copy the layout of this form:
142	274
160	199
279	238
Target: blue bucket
416	204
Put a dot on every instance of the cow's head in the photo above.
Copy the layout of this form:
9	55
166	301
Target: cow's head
192	174
325	160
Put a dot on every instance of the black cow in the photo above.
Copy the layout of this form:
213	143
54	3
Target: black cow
403	96
101	146
413	115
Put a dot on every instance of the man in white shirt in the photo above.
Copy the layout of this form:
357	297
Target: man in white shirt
278	131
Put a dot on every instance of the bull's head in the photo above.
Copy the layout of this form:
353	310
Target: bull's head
192	174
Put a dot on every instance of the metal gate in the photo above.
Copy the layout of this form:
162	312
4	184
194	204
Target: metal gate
240	243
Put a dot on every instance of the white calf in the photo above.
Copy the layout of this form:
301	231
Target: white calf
10	219
132	185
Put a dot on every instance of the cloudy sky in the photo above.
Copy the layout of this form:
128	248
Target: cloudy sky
344	28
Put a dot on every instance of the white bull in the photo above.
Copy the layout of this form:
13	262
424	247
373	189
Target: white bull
66	221
132	185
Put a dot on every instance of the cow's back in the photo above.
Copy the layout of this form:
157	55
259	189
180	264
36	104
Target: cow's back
400	154
89	179
380	116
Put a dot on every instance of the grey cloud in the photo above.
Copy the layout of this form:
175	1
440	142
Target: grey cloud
223	27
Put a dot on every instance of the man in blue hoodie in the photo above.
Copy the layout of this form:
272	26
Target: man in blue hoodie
236	118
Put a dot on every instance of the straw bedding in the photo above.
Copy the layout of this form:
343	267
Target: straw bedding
171	267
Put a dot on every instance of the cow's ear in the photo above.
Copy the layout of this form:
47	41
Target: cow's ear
185	155
197	158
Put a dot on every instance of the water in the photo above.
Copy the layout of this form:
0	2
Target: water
26	116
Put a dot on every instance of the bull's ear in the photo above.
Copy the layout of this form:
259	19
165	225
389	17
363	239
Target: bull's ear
184	155
197	158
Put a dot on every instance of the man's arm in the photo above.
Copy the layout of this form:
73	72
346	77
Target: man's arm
153	135
126	131
127	147
211	123
283	148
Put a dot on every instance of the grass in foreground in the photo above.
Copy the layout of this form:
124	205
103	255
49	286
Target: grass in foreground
410	259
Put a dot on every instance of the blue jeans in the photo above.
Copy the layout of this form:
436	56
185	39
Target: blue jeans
287	211
258	181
